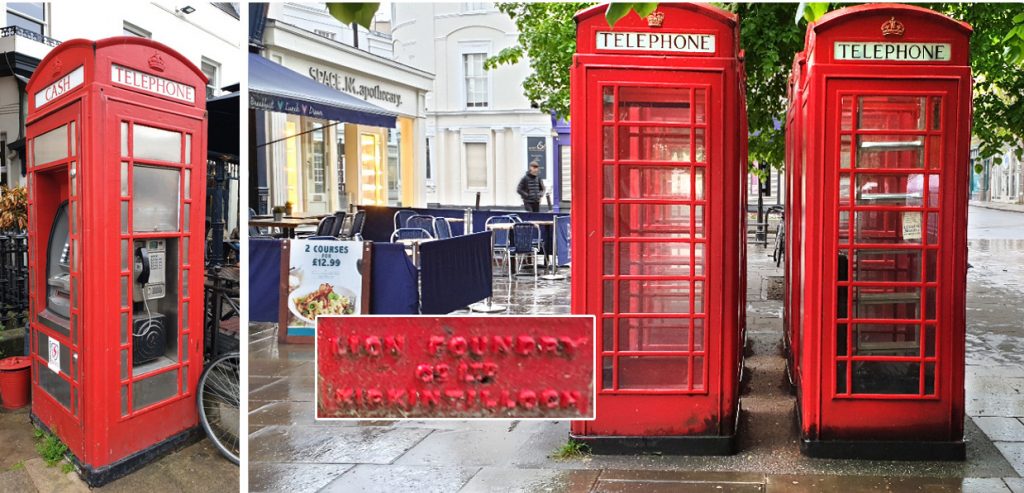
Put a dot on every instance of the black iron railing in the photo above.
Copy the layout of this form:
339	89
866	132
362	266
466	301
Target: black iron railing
25	33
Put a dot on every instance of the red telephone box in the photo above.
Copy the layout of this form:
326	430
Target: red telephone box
793	246
884	144
658	191
116	148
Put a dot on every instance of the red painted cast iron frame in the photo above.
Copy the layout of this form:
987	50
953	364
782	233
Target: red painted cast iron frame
929	423
695	419
94	429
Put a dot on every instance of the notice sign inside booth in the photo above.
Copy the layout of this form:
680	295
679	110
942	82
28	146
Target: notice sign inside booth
656	42
324	277
455	367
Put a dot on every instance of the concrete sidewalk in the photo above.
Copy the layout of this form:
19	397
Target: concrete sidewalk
288	450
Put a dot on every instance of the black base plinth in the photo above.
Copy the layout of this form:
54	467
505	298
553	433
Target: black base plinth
661	445
884	450
99	476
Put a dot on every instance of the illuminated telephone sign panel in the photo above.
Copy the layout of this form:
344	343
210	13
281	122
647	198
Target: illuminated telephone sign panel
659	169
116	158
883	142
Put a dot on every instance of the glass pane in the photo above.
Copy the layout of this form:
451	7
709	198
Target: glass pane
124	139
891	189
124	178
654	297
654	334
184	380
608	103
891	227
844	190
156	143
698	373
654	143
609	181
155	198
51	146
844	151
53	384
124	217
124	364
185	218
699	185
74	179
654	104
609	220
890	113
887	265
933	228
184	315
894	303
184	283
184	251
936	103
124	328
654	259
184	347
607	335
73	138
886	340
124	255
124	290
609	298
188	148
154	389
929	340
841	377
890	151
699	106
606	372
188	184
654	220
700	154
934	157
846	117
886	377
931	266
653	372
931	308
654	182
124	400
609	259
609	143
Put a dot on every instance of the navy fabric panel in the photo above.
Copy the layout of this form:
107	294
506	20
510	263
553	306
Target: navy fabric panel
394	287
563	250
272	87
455	272
380	221
264	279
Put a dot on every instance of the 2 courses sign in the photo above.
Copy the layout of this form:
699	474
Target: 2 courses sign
455	367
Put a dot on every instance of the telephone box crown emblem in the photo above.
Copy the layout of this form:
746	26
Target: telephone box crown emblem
156	62
655	19
58	67
892	27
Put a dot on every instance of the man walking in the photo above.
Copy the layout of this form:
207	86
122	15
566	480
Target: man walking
531	188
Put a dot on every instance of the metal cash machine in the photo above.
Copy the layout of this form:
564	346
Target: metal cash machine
115	148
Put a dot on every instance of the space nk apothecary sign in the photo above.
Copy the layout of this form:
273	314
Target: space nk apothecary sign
455	367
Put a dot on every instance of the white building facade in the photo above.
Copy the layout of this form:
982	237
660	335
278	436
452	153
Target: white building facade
321	166
210	35
481	130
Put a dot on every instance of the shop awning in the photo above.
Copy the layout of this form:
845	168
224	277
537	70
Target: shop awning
273	87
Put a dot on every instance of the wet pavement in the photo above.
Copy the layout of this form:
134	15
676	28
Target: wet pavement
196	467
289	450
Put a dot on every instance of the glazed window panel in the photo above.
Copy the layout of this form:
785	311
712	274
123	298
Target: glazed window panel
654	334
886	377
655	104
156	144
654	372
887	227
658	220
654	297
886	340
880	265
50	146
898	190
890	303
655	182
648	143
890	151
891	113
656	259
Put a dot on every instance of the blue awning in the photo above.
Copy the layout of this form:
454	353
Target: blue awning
273	87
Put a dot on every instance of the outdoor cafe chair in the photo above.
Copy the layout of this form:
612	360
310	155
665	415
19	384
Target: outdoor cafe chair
515	218
410	234
423	222
443	229
323	229
339	220
355	226
402	217
500	240
524	236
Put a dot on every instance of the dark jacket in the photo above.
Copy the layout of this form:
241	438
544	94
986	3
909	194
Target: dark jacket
531	188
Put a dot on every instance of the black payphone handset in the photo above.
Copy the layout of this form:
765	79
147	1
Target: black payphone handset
141	265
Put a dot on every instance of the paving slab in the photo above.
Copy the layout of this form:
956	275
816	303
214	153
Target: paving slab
468	447
843	484
1014	453
512	480
16	481
342	445
1001	429
51	479
402	479
269	477
1016	485
17	441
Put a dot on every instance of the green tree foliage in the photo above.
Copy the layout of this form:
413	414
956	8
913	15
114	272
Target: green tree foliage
359	12
770	38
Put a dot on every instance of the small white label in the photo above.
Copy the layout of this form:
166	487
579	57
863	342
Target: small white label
911	226
659	42
152	84
61	86
54	361
889	52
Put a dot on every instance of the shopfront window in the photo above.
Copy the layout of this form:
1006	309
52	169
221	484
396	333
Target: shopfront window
476	80
394	167
476	165
317	158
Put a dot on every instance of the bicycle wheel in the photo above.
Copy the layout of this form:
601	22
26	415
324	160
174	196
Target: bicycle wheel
780	245
218	404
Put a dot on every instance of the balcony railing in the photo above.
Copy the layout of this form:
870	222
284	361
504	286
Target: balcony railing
25	33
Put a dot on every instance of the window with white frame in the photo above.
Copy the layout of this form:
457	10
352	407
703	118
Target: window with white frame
475	6
476	164
211	70
133	30
476	80
30	16
318	158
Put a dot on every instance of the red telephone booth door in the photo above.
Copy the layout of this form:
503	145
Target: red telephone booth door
54	152
650	177
891	335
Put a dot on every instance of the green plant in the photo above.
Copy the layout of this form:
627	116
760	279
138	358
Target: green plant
67	467
17	466
572	450
49	447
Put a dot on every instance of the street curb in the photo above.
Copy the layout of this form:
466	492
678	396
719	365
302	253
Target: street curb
998	206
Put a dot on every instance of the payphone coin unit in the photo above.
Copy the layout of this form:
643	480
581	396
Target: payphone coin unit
881	147
658	227
116	341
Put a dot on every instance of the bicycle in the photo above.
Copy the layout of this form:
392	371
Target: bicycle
217	399
779	247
